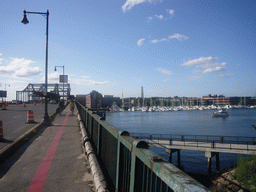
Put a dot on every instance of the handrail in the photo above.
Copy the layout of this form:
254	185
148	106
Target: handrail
195	140
129	163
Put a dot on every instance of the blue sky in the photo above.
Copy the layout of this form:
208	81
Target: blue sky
170	47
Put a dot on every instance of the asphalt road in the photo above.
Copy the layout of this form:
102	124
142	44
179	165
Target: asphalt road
15	117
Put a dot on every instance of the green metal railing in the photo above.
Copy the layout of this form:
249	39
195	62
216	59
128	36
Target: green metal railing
129	164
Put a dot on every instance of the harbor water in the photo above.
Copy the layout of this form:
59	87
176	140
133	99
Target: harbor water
238	123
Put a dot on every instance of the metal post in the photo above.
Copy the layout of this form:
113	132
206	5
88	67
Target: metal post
25	21
63	77
46	116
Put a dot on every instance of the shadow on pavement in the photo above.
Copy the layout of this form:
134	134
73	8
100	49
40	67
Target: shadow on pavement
6	141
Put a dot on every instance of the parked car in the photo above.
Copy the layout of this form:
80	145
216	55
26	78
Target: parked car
15	101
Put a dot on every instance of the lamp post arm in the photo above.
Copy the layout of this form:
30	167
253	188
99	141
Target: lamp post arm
41	13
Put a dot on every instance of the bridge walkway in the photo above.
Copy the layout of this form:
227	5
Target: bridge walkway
52	161
204	146
212	147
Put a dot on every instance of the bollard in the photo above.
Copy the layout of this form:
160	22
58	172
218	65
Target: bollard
30	116
1	131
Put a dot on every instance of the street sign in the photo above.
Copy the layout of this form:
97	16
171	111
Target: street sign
63	79
3	93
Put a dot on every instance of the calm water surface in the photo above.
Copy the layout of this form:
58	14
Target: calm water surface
191	123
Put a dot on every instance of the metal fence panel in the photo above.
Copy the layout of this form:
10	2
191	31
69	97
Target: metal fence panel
129	164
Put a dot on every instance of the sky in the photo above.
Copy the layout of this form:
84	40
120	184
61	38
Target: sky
188	48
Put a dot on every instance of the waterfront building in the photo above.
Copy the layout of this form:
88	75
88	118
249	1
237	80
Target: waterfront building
92	100
108	100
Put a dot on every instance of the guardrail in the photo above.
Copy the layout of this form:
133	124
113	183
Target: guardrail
195	140
129	164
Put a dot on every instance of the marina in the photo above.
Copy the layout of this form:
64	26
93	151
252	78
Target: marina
190	122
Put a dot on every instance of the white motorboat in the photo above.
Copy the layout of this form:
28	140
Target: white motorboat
220	113
114	108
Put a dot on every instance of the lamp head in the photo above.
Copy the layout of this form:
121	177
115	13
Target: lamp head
25	20
55	69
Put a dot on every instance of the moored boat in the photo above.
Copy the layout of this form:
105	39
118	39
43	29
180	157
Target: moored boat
220	113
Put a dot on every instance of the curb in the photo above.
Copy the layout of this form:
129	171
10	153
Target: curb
23	139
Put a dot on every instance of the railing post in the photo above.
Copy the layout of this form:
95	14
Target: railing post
123	133
99	139
136	144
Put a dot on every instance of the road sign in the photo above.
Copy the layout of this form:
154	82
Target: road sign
3	93
63	79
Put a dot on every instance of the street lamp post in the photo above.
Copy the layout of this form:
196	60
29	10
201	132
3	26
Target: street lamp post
63	77
25	21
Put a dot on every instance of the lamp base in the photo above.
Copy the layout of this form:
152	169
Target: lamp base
46	120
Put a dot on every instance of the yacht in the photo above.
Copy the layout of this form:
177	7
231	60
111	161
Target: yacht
220	113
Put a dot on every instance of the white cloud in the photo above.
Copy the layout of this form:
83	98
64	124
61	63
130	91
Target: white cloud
170	11
85	80
154	41
130	3
163	39
175	36
206	64
150	18
20	68
140	41
200	61
53	77
178	37
164	71
213	69
159	16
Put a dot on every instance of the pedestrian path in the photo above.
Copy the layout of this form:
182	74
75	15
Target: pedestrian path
53	161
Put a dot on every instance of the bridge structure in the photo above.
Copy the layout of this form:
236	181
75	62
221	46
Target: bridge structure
128	163
212	145
36	92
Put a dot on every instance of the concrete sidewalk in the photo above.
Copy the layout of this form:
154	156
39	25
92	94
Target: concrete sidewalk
52	161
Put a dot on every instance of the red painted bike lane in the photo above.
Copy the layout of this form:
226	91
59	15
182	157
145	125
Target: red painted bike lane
41	174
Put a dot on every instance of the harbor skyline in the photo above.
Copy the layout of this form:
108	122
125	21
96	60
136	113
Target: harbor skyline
184	48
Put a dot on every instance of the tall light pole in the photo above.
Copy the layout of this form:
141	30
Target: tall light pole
63	77
25	21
